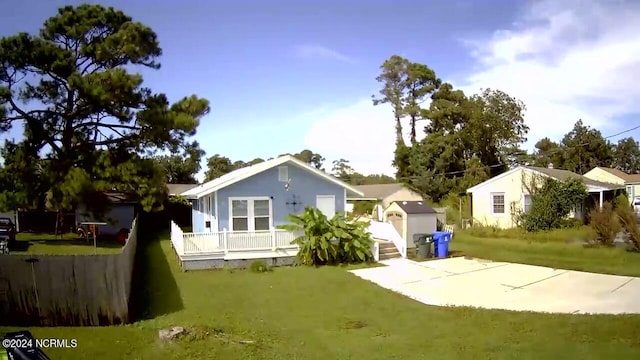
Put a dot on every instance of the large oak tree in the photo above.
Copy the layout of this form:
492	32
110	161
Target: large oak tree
89	122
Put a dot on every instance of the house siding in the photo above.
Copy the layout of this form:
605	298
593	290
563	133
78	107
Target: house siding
635	191
598	174
197	216
304	185
401	195
513	187
605	176
118	217
420	223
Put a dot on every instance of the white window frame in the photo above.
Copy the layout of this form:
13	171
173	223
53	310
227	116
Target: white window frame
250	212
493	196
524	202
283	173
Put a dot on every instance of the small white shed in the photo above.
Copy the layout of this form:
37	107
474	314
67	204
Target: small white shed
411	217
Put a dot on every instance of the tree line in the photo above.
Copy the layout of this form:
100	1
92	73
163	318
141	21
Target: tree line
183	168
90	125
470	138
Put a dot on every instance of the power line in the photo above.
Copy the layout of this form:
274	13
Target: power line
546	153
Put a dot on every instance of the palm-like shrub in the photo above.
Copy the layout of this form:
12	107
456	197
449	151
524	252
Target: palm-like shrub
324	241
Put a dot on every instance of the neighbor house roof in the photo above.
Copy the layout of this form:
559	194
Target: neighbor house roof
415	207
120	198
558	174
246	172
177	189
630	178
378	191
563	175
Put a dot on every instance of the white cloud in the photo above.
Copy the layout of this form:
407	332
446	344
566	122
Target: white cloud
361	133
317	51
566	60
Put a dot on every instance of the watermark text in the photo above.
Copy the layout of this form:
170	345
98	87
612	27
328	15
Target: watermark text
46	343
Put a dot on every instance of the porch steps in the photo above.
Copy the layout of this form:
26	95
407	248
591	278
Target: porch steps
388	251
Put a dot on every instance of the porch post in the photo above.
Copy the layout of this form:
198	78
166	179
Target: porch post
601	199
224	241
273	239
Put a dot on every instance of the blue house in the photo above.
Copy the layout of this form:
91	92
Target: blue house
258	198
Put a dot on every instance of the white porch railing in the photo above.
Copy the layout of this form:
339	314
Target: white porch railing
386	231
375	250
230	241
177	238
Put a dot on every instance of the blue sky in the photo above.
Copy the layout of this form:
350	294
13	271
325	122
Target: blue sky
283	76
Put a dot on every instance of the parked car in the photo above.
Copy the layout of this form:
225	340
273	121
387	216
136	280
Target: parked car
7	230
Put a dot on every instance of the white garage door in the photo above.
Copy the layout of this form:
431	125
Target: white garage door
326	204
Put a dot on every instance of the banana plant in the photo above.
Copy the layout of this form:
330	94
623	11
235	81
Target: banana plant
324	241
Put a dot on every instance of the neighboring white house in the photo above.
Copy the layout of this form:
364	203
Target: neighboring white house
615	176
493	200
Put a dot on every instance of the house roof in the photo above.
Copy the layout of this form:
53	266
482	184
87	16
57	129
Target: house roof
246	172
177	189
558	174
630	178
563	175
415	207
379	191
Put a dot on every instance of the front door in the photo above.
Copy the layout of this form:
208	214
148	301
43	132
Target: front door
326	204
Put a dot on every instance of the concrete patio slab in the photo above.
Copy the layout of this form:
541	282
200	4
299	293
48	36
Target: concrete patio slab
459	265
499	285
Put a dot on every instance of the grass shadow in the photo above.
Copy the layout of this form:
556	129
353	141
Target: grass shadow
154	288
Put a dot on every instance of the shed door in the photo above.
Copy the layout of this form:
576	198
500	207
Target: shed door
326	204
396	220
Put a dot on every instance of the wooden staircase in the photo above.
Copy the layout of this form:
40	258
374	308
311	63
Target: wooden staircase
388	250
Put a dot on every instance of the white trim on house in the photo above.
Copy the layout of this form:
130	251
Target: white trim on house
250	212
362	199
215	205
244	173
489	181
345	200
595	189
206	203
504	201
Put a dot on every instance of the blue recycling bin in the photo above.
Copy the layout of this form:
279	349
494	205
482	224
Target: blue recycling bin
441	243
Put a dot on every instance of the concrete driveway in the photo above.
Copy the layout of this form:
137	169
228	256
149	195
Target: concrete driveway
499	285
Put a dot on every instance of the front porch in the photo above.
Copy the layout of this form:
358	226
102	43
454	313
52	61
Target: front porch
207	250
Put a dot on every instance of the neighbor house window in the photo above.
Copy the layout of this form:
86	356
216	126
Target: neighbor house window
526	203
630	191
497	203
250	214
283	173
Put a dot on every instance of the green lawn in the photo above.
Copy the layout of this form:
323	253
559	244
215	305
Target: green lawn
554	249
327	313
34	243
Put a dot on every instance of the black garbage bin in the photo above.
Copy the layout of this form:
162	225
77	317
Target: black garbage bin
27	349
423	245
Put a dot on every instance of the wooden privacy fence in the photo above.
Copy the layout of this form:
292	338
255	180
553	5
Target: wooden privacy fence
67	290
